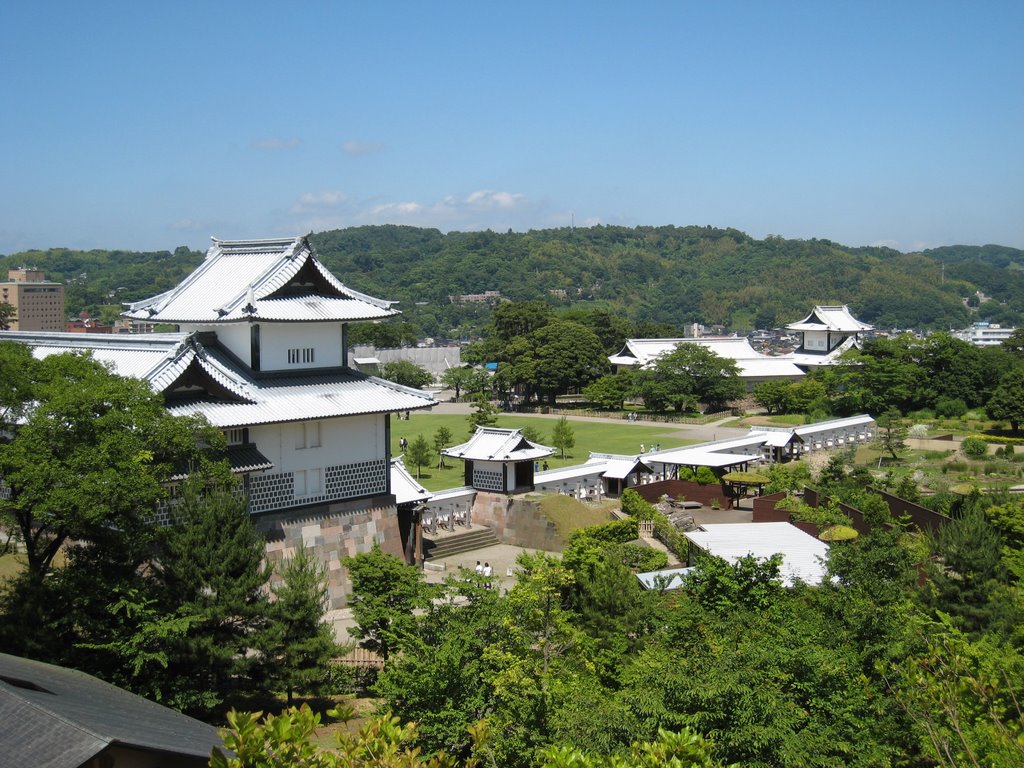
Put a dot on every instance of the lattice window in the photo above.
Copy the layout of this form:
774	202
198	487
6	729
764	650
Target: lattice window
298	355
344	481
488	480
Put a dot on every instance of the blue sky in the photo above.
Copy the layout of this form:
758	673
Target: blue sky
145	126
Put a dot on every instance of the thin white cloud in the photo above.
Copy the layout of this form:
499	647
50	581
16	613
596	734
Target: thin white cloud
313	201
915	246
482	209
275	144
189	226
489	199
361	147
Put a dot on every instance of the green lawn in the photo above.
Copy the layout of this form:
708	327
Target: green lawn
10	566
598	436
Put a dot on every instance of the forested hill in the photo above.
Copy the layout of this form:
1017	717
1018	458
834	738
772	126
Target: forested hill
668	274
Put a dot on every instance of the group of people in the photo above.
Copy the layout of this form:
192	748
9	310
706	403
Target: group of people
485	571
631	416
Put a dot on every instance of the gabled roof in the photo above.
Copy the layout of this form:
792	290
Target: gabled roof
618	466
279	280
406	488
60	718
750	362
198	379
835	318
496	444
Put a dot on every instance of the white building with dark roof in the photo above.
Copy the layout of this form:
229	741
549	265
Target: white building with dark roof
261	353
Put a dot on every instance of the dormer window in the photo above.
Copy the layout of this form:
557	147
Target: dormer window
298	355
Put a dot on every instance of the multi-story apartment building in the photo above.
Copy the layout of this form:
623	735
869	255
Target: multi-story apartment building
38	303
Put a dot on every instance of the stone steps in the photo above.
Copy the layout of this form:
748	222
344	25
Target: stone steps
457	543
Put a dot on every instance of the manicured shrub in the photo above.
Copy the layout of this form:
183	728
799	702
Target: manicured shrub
952	408
974	447
706	476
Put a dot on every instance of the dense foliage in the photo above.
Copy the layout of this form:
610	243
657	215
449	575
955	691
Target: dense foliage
868	669
178	613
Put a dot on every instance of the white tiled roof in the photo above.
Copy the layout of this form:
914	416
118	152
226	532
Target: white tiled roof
803	555
162	358
496	444
835	318
750	362
406	488
238	281
834	424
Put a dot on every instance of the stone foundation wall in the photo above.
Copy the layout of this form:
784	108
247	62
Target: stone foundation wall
515	521
333	532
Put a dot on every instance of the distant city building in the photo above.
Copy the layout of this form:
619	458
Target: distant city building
487	297
38	303
985	334
86	324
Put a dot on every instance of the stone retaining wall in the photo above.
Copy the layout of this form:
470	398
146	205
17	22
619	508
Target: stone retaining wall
332	533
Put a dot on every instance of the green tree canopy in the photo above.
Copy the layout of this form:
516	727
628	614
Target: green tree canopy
385	591
90	455
407	374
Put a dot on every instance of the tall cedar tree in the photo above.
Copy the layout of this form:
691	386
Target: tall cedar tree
213	571
299	643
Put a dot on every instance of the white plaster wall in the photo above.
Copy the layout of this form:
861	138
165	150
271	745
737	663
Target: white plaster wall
342	441
237	338
815	340
277	338
234	336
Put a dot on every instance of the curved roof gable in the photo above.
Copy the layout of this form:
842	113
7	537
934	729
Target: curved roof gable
496	444
835	318
278	280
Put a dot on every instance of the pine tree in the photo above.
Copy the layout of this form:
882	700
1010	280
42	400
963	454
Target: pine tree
213	574
299	643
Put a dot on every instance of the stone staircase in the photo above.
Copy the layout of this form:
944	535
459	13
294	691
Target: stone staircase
456	543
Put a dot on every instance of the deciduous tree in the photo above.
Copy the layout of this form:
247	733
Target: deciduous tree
418	453
385	592
563	436
407	373
1007	401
